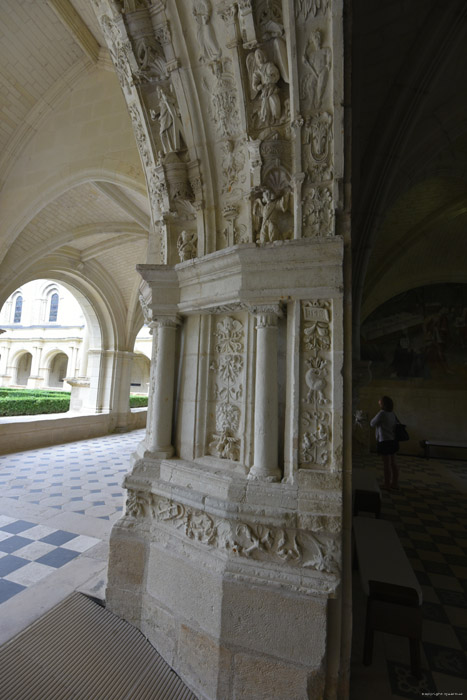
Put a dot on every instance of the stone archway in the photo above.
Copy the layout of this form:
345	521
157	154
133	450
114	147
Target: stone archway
23	368
57	370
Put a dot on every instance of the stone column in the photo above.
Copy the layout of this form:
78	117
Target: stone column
161	387
265	465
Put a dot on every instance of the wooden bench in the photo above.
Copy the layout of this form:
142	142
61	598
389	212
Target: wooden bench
366	492
427	444
394	596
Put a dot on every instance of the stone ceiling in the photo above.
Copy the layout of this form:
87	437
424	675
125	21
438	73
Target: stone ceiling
48	50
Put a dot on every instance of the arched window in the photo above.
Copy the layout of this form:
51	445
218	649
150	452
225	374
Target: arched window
18	309
53	313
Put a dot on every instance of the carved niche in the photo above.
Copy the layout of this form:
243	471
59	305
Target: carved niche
316	385
227	374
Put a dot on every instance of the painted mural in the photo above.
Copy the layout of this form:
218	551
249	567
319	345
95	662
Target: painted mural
420	334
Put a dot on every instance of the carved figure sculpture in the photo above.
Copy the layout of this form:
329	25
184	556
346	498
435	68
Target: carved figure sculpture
264	76
187	245
170	126
206	38
269	19
265	216
318	60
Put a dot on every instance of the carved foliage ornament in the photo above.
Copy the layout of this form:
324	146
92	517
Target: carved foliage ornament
318	212
303	8
120	51
222	90
315	417
227	368
289	546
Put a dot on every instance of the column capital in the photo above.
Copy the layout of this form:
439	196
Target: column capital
266	314
165	322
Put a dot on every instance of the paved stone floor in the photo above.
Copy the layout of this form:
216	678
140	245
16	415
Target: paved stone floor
430	516
57	507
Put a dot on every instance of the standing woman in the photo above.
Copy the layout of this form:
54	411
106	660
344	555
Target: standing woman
387	446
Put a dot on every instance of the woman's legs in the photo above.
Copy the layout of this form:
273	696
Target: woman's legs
387	470
395	472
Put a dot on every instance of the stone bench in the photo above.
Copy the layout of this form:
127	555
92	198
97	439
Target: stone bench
427	444
366	492
394	596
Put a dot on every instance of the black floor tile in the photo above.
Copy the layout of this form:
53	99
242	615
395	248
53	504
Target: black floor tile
453	598
434	611
403	684
446	660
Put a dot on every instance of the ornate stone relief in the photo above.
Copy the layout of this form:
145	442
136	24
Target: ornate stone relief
208	44
234	233
267	223
303	8
120	52
317	61
233	163
264	76
318	212
227	368
187	245
222	91
170	125
151	60
271	29
317	137
285	546
316	361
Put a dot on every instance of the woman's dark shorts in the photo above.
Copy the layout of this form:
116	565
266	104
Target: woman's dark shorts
387	447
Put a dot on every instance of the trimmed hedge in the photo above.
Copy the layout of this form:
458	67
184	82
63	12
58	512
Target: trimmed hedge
53	402
31	402
138	401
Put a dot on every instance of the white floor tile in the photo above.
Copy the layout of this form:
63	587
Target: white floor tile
82	543
35	550
30	573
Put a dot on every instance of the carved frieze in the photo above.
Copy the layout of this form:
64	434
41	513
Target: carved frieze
227	371
316	384
281	545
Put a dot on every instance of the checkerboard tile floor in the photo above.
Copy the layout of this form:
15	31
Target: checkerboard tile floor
75	479
30	552
430	516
